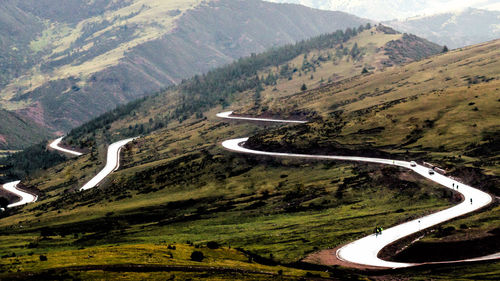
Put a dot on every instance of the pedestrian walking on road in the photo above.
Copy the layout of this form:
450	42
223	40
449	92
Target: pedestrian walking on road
471	201
376	231
380	229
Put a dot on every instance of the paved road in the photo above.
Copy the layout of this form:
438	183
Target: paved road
112	164
55	145
25	197
227	115
364	251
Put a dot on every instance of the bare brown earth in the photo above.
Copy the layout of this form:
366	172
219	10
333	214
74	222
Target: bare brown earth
329	257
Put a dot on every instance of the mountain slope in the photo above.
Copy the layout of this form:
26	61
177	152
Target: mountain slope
17	132
443	108
273	74
17	29
454	29
94	61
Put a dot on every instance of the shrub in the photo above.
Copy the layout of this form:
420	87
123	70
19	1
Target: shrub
43	258
197	256
213	245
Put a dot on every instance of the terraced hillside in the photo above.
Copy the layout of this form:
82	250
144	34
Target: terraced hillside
67	69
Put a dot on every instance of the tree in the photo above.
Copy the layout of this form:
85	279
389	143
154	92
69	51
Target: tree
445	49
4	202
355	51
304	87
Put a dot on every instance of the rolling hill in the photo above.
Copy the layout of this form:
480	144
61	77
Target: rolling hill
68	69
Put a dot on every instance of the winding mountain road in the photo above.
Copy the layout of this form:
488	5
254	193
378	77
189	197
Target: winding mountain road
112	164
365	250
227	115
55	145
25	197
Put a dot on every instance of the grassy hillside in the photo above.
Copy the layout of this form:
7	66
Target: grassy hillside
446	104
112	52
177	185
442	110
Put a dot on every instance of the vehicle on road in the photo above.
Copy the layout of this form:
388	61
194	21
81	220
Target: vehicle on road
431	172
413	164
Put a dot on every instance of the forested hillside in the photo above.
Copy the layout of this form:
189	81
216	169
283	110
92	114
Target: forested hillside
111	52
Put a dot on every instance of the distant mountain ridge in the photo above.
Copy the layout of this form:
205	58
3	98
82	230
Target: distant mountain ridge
381	10
455	29
87	63
452	23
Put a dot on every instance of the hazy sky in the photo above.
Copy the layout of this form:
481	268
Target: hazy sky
400	9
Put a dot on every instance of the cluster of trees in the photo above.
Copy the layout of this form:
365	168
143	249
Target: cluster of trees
217	87
104	120
19	165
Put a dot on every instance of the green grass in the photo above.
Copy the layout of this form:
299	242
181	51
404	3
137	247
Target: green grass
161	255
287	208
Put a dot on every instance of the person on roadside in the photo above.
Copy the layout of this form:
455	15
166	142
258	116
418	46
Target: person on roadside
376	231
380	229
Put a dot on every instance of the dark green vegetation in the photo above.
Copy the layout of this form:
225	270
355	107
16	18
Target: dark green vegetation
65	70
33	159
178	188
